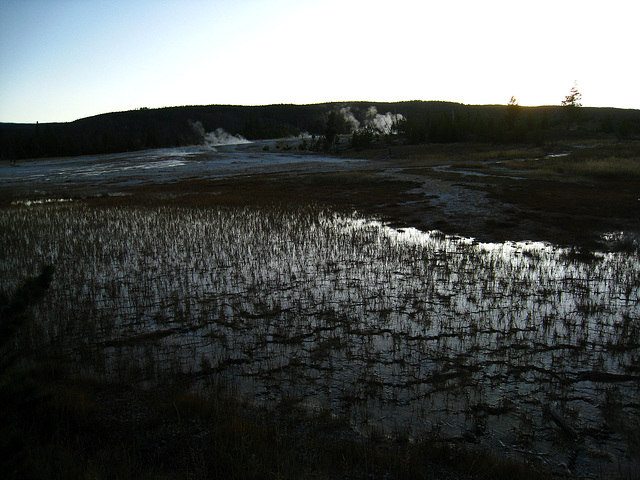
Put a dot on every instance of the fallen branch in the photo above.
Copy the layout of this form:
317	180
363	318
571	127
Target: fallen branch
561	422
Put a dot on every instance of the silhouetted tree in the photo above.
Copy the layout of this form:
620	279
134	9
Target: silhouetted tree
330	131
513	110
571	103
362	138
574	97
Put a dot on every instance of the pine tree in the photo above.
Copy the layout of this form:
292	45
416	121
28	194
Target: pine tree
574	97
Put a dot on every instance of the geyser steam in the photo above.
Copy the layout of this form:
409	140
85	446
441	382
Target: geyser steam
218	137
381	123
350	119
378	123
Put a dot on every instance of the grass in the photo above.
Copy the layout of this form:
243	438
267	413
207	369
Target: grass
88	429
590	161
446	153
275	283
594	162
74	425
599	167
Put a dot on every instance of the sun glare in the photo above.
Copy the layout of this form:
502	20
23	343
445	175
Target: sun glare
65	60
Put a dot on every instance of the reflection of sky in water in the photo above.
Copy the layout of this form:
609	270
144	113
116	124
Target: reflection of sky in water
397	328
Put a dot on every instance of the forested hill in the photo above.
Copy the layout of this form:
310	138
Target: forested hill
416	121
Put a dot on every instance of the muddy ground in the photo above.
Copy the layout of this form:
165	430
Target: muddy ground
492	199
474	190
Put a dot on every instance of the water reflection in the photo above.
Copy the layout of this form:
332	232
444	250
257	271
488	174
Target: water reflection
397	329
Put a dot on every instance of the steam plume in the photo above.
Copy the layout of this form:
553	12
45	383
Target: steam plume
381	123
218	137
352	121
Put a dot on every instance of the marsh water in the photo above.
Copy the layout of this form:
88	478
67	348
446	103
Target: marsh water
527	349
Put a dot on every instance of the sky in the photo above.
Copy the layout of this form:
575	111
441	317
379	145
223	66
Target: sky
61	60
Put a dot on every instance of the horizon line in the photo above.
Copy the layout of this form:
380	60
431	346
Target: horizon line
144	108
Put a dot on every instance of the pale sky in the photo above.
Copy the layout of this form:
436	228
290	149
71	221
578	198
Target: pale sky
61	60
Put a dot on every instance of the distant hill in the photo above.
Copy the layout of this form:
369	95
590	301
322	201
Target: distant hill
417	121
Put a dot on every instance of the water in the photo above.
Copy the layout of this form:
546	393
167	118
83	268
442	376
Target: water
400	330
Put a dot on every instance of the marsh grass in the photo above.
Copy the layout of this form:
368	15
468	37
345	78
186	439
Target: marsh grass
102	430
604	167
447	153
591	160
305	306
599	161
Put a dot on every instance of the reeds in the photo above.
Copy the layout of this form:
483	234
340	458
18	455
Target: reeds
386	327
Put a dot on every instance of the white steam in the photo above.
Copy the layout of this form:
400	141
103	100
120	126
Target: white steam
353	122
218	137
198	128
381	123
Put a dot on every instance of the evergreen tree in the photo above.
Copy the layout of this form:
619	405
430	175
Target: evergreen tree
330	131
571	103
574	97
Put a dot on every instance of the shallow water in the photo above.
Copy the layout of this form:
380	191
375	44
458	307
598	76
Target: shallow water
160	166
400	330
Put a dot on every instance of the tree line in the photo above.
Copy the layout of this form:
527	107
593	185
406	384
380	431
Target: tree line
414	122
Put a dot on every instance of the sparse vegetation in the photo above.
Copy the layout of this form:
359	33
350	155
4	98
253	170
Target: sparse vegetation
183	303
607	167
606	161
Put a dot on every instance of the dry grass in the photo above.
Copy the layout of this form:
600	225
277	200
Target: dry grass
601	161
605	167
